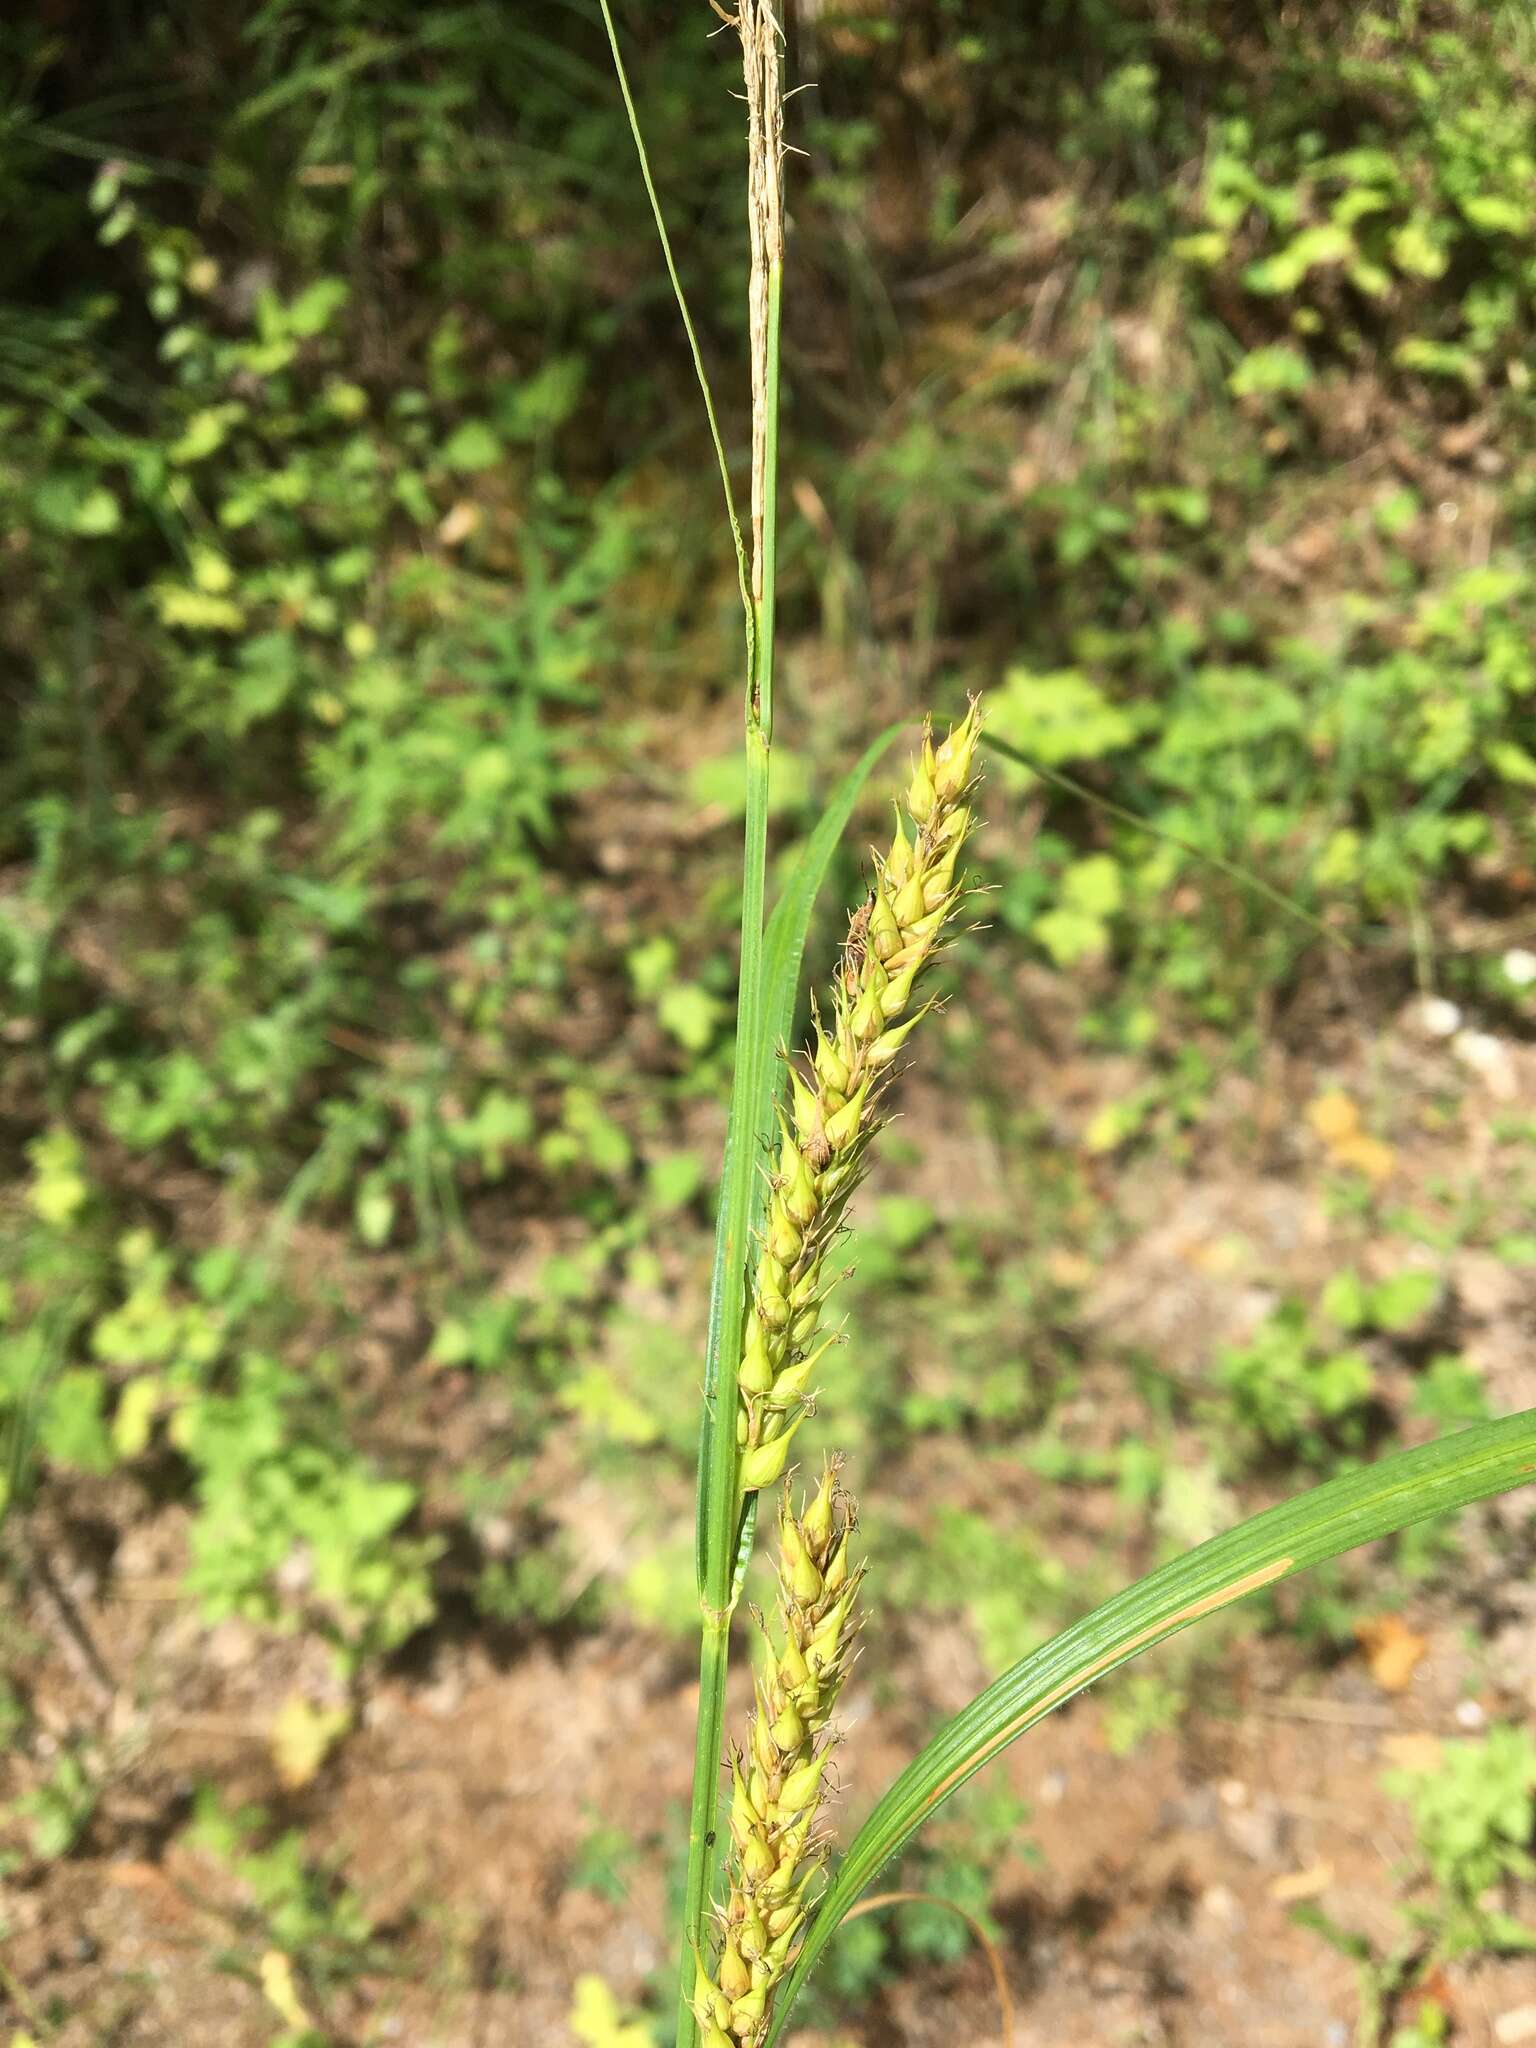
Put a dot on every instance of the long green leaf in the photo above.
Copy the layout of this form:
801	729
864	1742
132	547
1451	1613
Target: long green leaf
1410	1486
783	943
784	940
1233	870
697	353
745	1131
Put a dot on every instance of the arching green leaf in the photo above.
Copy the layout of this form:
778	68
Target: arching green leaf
1409	1487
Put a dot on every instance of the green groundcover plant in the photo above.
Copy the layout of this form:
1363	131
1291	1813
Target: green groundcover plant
764	1896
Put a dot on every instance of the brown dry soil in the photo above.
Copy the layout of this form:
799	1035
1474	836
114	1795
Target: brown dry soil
1160	1909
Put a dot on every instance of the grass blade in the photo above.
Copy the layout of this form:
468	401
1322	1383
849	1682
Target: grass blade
688	327
717	1534
784	940
746	1132
1233	870
1408	1487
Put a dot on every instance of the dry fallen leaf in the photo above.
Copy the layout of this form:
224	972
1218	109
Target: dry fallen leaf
1333	1116
1310	1883
1413	1753
1368	1156
1392	1650
1336	1120
1435	1990
1069	1268
280	1990
160	1893
458	523
302	1737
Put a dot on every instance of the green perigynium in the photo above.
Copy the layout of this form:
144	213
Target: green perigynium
834	1107
777	1782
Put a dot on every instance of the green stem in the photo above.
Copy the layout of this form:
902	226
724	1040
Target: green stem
723	1533
719	1506
714	1651
717	1500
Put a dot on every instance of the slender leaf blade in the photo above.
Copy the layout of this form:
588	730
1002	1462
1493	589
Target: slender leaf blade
750	1124
784	940
1410	1486
746	1128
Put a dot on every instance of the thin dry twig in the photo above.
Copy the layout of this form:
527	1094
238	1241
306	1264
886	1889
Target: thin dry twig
988	1946
1295	1707
66	1625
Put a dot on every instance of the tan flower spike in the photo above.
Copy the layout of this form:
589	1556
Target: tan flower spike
834	1107
777	1783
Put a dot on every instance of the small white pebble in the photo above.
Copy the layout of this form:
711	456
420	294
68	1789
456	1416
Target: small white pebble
1519	2024
1222	1903
1469	1714
1234	1792
1439	1017
1519	965
296	1573
1488	1057
1480	1049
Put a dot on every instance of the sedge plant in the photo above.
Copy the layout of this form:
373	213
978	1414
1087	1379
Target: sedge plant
763	1894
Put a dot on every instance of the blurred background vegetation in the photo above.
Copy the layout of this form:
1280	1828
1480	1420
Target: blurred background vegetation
369	814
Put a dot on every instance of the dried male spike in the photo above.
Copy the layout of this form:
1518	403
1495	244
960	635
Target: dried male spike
834	1106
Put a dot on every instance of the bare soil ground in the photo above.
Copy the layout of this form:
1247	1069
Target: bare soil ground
1161	1909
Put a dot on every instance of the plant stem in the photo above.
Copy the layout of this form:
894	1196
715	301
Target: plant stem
723	1533
765	561
708	1746
719	1521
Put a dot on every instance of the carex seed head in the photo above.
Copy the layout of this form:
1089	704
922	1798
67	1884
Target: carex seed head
836	1091
779	1784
